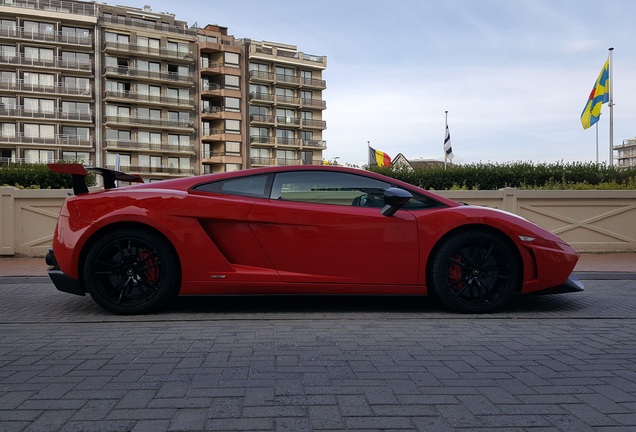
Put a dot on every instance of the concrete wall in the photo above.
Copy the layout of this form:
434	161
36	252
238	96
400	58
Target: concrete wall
591	221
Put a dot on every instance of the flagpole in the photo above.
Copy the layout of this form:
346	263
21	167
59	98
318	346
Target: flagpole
596	124
445	126
611	107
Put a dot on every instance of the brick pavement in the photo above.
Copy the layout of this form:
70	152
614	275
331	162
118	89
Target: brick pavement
552	363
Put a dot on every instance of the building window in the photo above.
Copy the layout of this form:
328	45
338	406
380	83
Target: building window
231	58
183	94
118	135
7	130
7	77
38	79
148	113
150	161
233	148
80	84
79	157
76	107
285	157
233	126
232	104
7	103
34	27
179	141
37	54
148	66
232	81
39	130
118	161
147	44
39	105
8	52
117	37
259	156
285	136
149	137
77	132
307	157
39	156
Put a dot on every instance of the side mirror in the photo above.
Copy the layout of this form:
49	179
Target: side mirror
394	199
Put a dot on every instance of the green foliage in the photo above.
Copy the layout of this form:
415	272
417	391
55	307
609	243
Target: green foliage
35	176
521	175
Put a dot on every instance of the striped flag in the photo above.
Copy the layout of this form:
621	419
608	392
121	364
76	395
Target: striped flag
378	158
448	149
599	95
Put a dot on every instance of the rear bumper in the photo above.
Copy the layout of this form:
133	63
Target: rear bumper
572	284
61	281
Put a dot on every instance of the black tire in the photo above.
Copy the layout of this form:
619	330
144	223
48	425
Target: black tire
132	271
475	272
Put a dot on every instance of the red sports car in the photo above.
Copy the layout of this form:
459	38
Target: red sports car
295	230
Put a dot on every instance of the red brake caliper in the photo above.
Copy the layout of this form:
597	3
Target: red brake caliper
455	273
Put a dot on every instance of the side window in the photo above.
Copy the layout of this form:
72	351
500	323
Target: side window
328	187
256	186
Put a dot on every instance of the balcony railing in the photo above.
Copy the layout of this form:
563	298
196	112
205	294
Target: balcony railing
140	169
256	139
205	64
311	82
57	140
315	143
57	37
75	8
288	79
134	72
144	97
53	88
288	121
287	100
163	27
136	145
150	121
260	118
264	97
319	124
54	114
143	49
314	103
53	62
261	75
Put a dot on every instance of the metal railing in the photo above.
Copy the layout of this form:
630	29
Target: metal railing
54	114
137	145
134	72
58	37
53	62
63	140
154	169
54	88
75	8
142	49
164	27
162	99
149	121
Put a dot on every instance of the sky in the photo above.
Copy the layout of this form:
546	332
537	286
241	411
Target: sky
514	76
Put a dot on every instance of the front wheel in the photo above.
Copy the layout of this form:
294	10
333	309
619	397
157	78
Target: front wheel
475	272
132	271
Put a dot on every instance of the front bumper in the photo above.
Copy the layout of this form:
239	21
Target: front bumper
61	281
572	284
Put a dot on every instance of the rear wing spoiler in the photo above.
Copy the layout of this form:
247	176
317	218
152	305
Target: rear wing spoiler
79	173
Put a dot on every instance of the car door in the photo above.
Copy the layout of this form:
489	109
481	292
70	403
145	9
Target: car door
326	227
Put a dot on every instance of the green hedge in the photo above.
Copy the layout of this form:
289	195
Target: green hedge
521	175
35	176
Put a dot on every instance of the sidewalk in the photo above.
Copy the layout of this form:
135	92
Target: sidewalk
589	262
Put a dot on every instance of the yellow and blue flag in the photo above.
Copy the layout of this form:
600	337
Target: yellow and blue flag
598	96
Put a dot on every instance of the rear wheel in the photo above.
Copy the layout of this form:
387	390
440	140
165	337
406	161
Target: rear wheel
132	271
475	272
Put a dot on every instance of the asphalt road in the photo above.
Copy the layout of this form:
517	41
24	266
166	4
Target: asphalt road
551	363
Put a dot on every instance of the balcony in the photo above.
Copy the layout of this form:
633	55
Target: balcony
149	121
267	77
54	88
287	121
150	99
261	97
315	144
219	68
221	158
288	79
262	119
60	140
55	114
288	100
139	169
151	147
313	103
142	50
58	38
262	140
314	83
53	62
75	8
141	73
314	124
159	26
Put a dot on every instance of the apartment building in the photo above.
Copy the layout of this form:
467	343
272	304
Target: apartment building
285	105
223	102
626	157
147	106
142	92
47	81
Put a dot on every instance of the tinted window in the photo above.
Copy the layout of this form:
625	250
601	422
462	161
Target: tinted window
329	188
252	186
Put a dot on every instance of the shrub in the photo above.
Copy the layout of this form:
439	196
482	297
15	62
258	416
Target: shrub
36	176
521	175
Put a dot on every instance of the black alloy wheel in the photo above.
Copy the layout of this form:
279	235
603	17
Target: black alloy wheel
475	272
132	271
